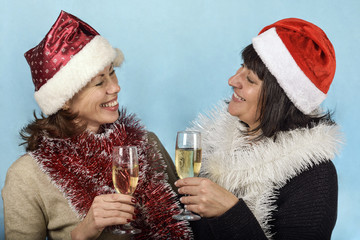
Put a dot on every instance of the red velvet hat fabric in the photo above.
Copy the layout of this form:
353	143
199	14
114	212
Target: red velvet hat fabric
65	39
302	59
69	56
310	48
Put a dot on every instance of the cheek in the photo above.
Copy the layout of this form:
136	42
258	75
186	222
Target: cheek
84	101
254	95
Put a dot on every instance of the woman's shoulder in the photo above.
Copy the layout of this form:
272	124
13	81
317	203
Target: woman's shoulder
24	168
154	139
24	163
152	136
324	171
319	176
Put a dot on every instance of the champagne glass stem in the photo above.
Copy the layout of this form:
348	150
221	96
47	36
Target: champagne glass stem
187	163
125	175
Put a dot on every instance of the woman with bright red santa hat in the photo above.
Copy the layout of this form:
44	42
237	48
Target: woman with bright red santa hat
267	171
62	187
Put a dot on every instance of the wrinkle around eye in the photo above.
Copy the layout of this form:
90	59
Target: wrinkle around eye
99	83
249	80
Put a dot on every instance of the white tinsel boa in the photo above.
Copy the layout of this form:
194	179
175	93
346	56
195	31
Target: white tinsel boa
255	171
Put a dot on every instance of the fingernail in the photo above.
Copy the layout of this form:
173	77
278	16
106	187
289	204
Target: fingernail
136	211
133	200
134	217
128	220
176	183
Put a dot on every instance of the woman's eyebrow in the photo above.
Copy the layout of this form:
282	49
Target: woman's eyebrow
111	66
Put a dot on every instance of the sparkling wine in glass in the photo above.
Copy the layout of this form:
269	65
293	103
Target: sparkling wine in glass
187	163
125	174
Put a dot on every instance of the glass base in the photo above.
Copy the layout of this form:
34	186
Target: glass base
127	229
186	215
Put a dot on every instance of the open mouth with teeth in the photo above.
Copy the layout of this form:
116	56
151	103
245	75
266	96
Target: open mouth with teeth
112	105
237	98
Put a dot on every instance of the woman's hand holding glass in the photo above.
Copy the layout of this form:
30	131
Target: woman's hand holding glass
106	210
114	209
205	197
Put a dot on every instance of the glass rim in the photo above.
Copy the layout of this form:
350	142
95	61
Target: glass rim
189	131
125	146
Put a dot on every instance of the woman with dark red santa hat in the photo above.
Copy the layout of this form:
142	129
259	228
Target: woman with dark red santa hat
62	187
267	171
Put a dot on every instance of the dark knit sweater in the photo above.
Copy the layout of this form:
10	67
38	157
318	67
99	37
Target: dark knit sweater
306	209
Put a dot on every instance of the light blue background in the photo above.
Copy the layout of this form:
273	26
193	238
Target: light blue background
179	56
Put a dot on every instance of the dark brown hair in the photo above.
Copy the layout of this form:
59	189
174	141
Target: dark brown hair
59	125
277	112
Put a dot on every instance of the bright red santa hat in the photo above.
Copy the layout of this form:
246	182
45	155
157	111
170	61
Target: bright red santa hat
69	56
302	59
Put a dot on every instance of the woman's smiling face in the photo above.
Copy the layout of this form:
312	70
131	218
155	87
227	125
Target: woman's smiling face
244	103
97	102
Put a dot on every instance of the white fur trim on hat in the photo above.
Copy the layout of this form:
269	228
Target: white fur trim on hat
277	58
119	58
70	79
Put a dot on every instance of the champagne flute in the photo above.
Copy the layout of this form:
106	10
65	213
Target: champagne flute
125	175
187	163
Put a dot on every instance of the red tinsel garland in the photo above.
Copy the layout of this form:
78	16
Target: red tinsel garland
80	167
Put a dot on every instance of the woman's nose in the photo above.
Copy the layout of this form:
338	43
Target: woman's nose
117	88
114	86
235	81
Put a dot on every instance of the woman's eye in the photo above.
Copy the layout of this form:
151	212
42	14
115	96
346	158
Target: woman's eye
249	80
112	72
100	83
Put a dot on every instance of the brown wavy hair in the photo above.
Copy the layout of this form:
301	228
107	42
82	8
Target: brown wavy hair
62	124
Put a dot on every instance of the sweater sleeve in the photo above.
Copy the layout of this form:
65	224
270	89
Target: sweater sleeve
237	223
23	217
306	209
307	205
170	168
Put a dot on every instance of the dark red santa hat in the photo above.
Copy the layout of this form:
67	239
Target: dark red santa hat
69	56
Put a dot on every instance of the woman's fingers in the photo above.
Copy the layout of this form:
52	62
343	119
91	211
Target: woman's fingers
194	186
117	197
111	213
188	181
117	206
114	205
115	202
111	221
205	197
112	209
186	200
191	190
106	210
102	222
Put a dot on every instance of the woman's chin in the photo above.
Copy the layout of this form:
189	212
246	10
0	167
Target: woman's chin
232	109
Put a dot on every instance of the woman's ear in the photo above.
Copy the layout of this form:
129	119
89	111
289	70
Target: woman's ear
66	106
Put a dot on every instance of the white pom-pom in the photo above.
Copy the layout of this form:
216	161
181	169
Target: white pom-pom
119	58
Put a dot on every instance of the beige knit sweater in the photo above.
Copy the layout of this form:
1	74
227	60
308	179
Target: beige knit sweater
35	209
